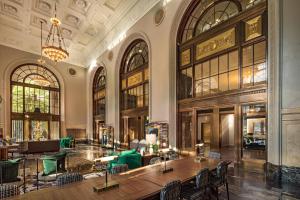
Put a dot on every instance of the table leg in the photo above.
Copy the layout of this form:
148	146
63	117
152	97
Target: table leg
37	174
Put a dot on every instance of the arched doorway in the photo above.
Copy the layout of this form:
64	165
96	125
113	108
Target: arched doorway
134	92
99	94
35	103
222	77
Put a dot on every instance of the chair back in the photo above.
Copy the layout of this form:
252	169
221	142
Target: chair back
134	144
68	178
202	178
119	168
142	144
154	160
7	191
171	191
222	171
23	147
214	155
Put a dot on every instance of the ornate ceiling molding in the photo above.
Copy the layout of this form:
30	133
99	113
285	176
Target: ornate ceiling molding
88	26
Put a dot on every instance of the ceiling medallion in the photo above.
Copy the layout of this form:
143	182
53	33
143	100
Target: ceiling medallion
55	48
159	16
72	72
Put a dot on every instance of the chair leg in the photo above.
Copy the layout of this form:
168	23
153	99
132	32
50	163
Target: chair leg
217	190
227	190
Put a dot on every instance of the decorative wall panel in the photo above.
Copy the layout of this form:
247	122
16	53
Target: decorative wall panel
216	44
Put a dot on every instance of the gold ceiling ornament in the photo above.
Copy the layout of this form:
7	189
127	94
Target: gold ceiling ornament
55	48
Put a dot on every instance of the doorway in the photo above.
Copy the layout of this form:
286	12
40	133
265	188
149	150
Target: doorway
204	130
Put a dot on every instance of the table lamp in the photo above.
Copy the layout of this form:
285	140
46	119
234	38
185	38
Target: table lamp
151	139
200	151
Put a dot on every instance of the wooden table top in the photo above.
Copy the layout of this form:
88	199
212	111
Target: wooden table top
135	184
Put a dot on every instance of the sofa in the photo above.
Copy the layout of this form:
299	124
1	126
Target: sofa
130	157
42	146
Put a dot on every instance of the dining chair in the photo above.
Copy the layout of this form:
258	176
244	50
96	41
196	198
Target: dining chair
171	191
154	160
218	178
68	178
198	188
119	168
214	155
7	191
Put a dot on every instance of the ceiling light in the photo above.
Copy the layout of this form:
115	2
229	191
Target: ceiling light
55	48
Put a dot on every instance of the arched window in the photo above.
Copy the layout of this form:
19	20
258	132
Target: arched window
134	91
35	103
99	94
209	13
221	65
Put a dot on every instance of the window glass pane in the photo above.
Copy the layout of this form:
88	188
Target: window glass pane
198	71
214	66
205	88
260	52
233	60
214	84
247	76
234	80
198	88
182	84
17	130
247	56
205	67
259	73
17	99
54	130
223	78
223	63
189	82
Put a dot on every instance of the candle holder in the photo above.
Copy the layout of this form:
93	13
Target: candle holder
107	185
165	169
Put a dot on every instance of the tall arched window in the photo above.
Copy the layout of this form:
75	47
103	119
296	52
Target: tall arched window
35	103
99	94
221	68
134	91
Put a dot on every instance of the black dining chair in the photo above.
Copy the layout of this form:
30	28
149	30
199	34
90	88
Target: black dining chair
197	189
218	178
154	160
171	191
68	178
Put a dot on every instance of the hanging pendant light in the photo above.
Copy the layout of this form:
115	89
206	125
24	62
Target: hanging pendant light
40	79
55	48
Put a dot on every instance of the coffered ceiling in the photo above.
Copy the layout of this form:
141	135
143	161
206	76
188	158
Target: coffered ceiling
88	26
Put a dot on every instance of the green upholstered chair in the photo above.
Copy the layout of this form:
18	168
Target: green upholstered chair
54	163
66	142
132	158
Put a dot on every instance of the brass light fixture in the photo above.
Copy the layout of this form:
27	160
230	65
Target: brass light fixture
55	48
40	80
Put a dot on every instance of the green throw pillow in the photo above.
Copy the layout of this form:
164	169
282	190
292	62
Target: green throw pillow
49	166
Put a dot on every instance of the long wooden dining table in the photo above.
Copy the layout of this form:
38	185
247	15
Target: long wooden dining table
141	183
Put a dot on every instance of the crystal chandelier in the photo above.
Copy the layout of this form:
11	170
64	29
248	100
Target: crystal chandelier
55	48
